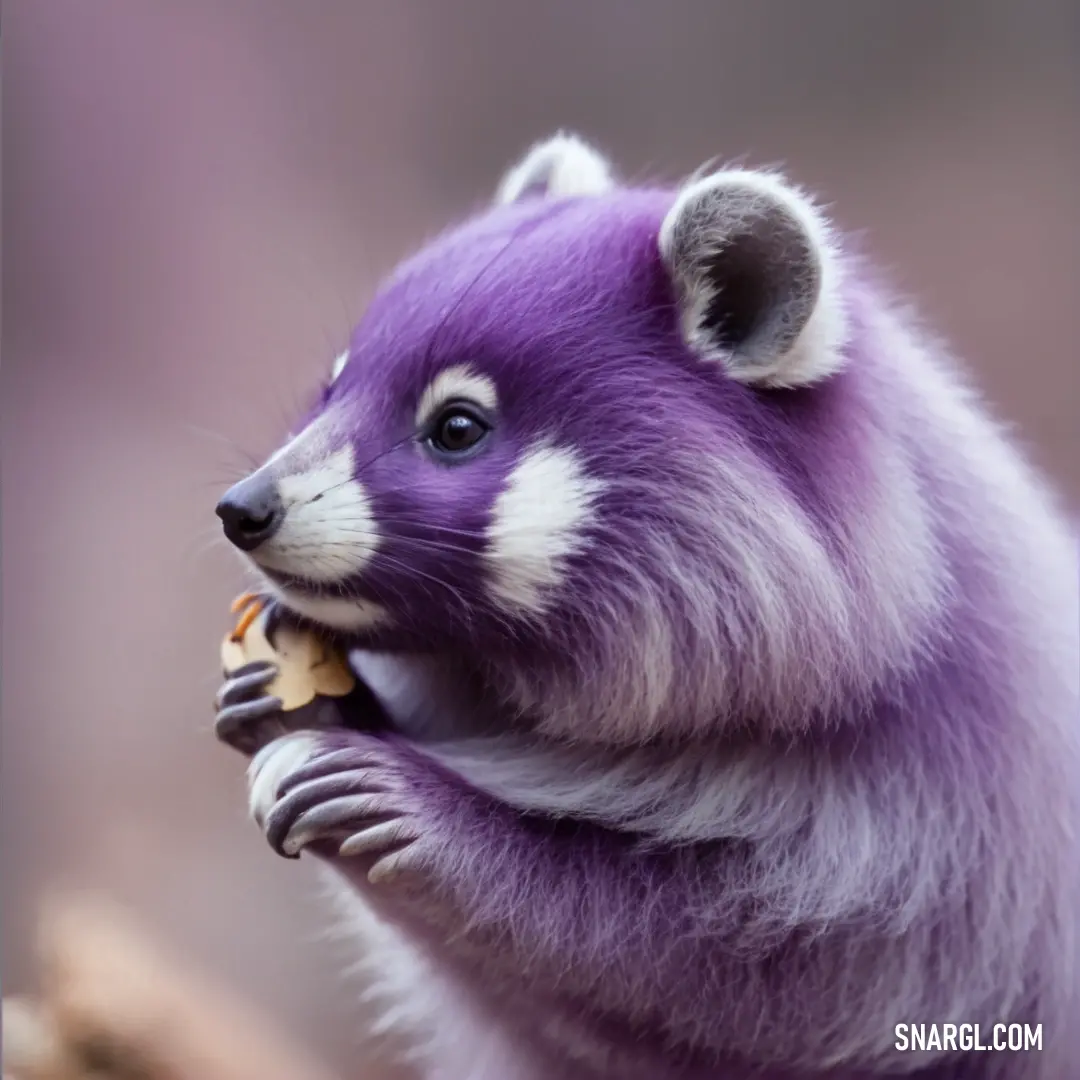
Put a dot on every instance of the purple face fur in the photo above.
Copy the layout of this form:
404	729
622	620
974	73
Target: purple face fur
725	491
620	482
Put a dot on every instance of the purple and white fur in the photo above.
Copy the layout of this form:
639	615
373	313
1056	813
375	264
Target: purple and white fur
730	672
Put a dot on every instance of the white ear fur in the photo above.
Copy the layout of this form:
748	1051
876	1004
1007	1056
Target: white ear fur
561	166
339	365
755	266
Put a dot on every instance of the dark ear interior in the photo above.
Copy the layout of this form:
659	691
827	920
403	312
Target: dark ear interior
763	279
748	268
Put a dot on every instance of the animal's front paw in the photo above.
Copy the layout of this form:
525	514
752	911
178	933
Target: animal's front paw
247	716
338	793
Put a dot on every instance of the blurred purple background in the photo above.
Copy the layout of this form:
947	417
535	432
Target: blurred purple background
198	198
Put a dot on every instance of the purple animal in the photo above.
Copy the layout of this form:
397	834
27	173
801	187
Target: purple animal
723	656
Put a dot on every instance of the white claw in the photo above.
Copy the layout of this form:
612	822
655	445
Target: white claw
335	816
390	866
296	841
377	838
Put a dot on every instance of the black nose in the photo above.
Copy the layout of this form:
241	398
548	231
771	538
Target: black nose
250	512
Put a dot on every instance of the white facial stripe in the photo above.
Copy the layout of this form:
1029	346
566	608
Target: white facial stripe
459	382
538	522
339	365
329	533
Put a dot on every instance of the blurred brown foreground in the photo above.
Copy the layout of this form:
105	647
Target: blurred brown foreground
117	1005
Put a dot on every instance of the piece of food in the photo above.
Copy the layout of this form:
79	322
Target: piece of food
307	666
280	677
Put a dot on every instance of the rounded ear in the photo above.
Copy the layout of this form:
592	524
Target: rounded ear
757	278
561	166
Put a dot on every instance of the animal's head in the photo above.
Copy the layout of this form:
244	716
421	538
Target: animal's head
597	442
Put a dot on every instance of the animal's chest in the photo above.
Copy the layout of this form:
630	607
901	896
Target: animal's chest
427	698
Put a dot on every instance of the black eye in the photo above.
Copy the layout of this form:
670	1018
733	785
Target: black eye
457	430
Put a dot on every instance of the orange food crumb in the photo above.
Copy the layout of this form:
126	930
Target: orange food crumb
252	606
242	602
